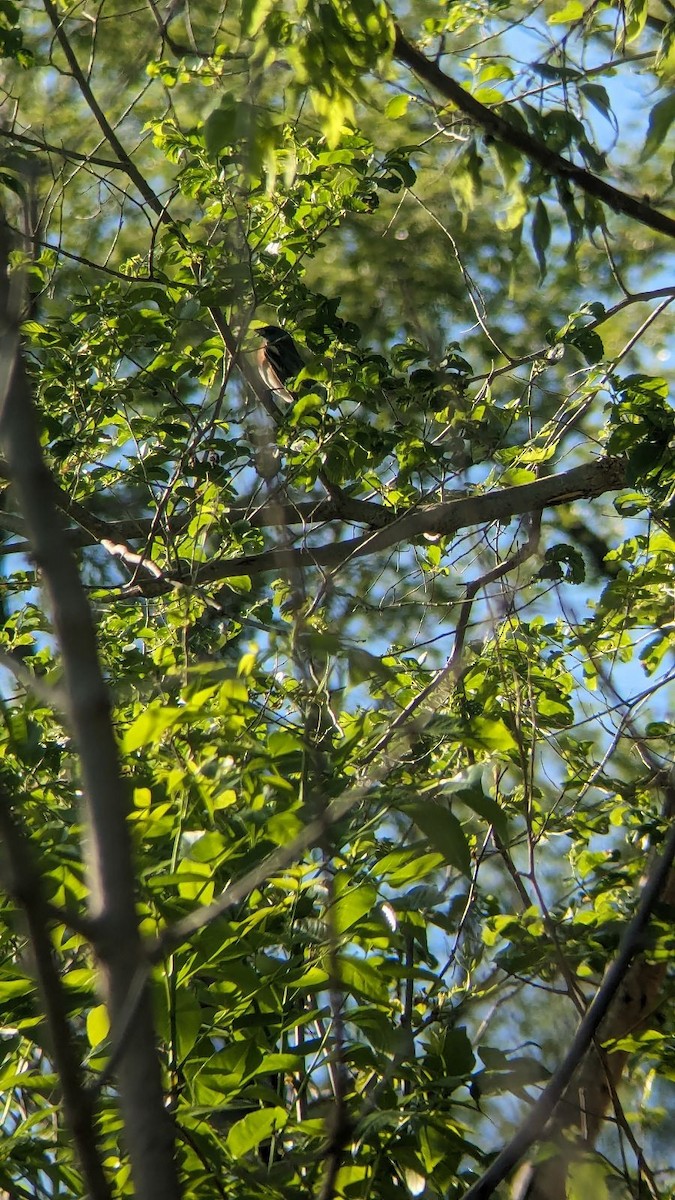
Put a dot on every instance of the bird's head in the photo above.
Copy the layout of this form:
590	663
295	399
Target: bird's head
272	333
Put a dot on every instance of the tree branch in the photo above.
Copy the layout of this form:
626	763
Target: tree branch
440	519
148	1127
584	1106
443	519
498	127
23	882
631	944
125	162
10	135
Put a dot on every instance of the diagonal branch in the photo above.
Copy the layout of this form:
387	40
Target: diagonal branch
584	1106
632	943
440	519
497	126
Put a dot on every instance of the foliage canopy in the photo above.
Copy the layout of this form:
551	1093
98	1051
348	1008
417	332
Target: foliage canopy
336	772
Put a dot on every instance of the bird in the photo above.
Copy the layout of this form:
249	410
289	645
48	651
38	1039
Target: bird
278	361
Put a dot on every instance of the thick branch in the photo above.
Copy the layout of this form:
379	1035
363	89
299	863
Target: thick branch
22	880
583	1108
498	127
148	1127
584	1105
444	519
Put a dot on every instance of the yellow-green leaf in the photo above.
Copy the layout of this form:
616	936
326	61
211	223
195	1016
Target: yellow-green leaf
254	1128
98	1025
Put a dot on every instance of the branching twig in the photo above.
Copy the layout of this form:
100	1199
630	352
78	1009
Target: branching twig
127	164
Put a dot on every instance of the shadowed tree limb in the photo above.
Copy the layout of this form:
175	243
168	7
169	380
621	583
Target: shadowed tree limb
439	518
578	1120
23	882
148	1127
497	126
442	518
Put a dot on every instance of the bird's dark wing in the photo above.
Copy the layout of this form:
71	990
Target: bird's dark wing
281	352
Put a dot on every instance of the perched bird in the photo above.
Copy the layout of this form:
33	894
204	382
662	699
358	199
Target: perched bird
278	361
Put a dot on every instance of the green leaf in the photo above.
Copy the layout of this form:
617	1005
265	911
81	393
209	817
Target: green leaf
572	11
196	881
254	13
360	978
444	833
588	1178
273	1064
598	97
150	725
588	341
98	1025
187	1021
493	734
10	988
407	866
351	903
631	503
253	1129
310	402
397	107
661	118
456	1052
635	19
222	126
564	563
467	787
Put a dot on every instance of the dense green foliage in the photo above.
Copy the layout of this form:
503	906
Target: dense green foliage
431	741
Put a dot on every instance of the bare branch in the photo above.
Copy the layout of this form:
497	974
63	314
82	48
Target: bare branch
21	139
